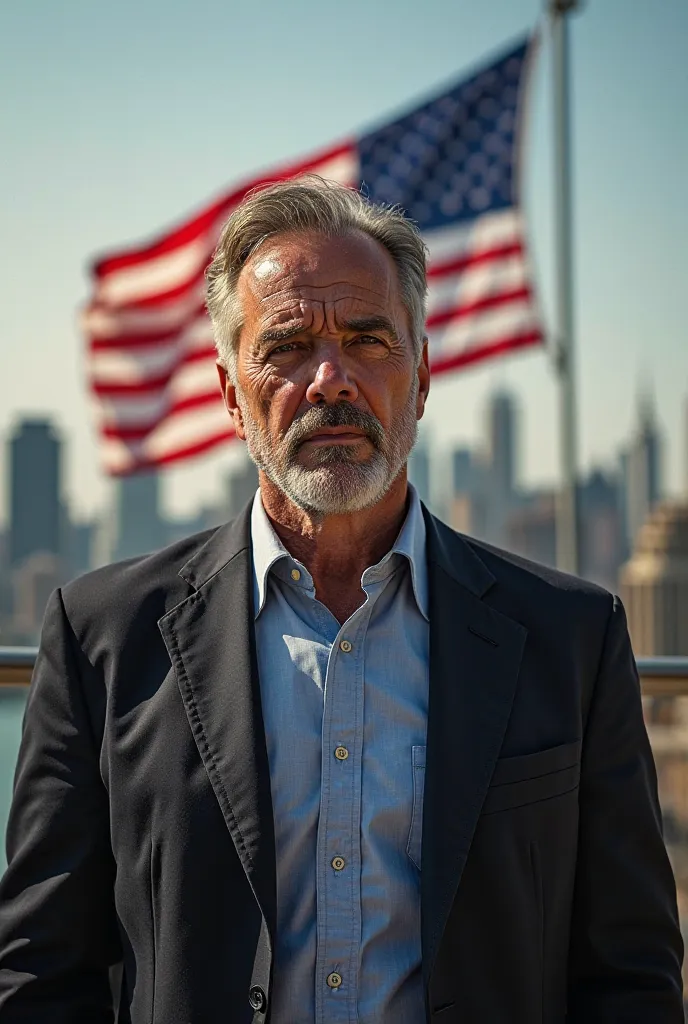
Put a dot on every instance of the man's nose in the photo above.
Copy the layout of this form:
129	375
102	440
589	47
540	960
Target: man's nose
331	383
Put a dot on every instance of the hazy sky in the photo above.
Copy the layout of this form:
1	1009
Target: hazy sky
118	119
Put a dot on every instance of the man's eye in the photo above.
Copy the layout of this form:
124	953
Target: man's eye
289	346
369	339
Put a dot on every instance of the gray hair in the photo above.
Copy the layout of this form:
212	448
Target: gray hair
309	204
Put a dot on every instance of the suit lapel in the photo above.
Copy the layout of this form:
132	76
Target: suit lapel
209	637
475	654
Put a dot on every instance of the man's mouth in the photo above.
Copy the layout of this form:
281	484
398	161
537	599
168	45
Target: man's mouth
344	435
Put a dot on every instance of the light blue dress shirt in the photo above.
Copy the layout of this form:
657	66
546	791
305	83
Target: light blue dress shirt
345	713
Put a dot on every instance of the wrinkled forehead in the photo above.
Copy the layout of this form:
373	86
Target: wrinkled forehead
353	268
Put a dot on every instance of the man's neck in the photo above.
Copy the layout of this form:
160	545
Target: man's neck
337	549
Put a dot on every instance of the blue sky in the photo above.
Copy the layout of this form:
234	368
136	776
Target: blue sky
118	119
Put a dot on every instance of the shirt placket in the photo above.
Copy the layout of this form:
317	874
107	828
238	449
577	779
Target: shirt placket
339	827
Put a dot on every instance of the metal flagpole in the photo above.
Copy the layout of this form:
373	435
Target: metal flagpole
567	505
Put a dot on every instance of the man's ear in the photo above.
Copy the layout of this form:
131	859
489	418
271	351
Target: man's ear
230	399
423	372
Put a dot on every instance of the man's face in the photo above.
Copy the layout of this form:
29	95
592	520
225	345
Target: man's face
328	389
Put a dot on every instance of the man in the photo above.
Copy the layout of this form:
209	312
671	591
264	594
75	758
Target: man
334	762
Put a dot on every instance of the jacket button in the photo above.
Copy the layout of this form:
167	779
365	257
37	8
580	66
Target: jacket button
256	998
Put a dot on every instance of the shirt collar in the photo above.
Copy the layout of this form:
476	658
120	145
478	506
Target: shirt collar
269	552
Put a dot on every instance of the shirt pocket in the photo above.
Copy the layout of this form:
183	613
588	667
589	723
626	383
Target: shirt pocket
413	847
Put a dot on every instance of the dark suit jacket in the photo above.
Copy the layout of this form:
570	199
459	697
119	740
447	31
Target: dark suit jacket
141	828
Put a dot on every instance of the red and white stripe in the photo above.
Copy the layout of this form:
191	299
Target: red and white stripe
151	359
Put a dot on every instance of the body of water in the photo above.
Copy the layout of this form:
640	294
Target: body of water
11	711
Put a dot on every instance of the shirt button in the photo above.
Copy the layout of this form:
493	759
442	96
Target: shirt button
338	863
334	980
341	753
345	646
295	574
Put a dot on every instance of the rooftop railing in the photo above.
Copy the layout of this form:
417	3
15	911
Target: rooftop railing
659	676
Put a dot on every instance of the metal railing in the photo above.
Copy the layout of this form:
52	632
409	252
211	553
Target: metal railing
659	676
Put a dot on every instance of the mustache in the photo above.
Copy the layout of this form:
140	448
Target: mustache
342	414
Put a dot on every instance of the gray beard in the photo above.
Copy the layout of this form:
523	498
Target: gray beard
338	484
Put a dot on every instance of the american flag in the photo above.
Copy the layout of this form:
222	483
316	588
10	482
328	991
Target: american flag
452	163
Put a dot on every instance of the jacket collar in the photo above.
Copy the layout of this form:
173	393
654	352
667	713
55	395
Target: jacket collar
220	549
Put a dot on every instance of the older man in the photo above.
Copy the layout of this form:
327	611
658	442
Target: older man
334	762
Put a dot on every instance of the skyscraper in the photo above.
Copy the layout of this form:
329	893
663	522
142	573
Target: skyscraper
500	466
241	483
654	583
643	470
501	441
419	467
35	469
602	548
138	526
463	471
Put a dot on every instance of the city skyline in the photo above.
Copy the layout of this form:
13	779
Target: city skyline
112	179
478	490
439	472
675	453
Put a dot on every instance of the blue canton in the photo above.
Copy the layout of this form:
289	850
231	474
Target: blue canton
452	158
345	716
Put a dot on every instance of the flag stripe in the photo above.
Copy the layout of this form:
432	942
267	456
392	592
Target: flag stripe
144	427
180	432
123	466
477	306
152	384
490	231
482	328
479	282
463	263
153	339
199	226
102	323
480	353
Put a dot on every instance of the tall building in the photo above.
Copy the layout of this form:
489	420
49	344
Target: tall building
80	542
602	548
642	464
6	596
34	581
419	468
463	508
463	471
530	528
501	442
241	483
500	469
35	469
654	583
138	526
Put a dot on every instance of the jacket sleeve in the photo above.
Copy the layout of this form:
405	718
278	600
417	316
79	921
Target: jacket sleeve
626	947
58	934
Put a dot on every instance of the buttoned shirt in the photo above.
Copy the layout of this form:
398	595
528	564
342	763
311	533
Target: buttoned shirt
345	715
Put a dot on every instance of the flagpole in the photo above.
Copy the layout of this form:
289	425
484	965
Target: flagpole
567	534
